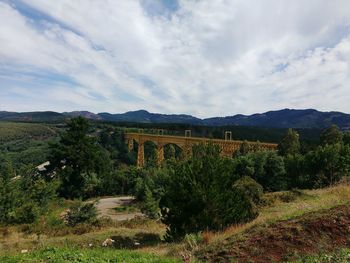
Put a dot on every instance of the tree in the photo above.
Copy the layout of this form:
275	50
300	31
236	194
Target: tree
8	191
296	171
23	198
79	159
113	141
326	165
250	188
169	151
244	166
201	195
346	138
276	177
332	135
150	205
290	144
244	148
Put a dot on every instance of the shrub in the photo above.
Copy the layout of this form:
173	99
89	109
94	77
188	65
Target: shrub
200	195
54	221
29	212
326	165
276	177
193	241
81	213
250	188
150	205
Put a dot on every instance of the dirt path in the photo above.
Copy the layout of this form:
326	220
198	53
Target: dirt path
105	207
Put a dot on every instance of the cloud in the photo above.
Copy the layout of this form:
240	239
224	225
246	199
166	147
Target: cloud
204	57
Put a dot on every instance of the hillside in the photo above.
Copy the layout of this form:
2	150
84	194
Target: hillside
39	116
313	224
322	231
147	117
299	226
286	118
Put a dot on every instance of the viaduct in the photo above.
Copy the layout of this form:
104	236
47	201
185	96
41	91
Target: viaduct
228	146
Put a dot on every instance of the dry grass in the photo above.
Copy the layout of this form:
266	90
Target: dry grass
308	201
13	240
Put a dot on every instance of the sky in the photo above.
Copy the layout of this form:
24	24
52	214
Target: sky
200	57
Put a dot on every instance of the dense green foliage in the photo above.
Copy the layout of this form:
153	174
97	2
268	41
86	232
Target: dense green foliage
10	131
81	213
290	144
25	144
79	160
73	254
23	198
203	194
332	135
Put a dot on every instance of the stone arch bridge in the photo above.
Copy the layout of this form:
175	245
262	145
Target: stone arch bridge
228	147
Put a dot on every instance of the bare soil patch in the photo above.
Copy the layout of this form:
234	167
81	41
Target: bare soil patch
106	208
314	232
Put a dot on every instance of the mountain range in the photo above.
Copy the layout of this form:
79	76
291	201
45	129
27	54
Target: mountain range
286	118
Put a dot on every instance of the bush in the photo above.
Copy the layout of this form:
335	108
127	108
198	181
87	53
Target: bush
250	188
28	213
81	213
200	195
276	177
150	205
326	165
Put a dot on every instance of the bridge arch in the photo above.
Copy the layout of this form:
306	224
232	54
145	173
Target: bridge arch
228	147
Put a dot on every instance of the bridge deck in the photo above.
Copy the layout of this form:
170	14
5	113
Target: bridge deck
154	137
228	147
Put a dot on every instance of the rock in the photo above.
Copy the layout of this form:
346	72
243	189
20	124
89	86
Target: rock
108	242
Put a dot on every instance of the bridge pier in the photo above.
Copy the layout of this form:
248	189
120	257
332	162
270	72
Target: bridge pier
140	155
160	155
228	146
130	145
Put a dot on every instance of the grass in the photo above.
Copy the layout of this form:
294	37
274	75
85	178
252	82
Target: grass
277	206
94	255
129	208
304	202
339	256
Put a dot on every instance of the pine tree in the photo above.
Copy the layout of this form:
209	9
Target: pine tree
290	144
79	159
332	135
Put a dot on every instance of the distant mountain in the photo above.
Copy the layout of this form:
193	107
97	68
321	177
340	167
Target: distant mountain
85	114
286	118
36	116
147	117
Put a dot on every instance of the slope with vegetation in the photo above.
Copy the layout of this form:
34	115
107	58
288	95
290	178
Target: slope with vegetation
295	226
202	206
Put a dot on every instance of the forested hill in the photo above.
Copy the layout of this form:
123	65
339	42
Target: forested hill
286	118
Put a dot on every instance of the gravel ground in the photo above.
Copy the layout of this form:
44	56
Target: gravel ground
105	208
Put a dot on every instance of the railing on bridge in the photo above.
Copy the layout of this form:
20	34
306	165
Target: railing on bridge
227	145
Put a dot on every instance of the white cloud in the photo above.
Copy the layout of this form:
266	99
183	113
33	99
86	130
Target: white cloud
205	58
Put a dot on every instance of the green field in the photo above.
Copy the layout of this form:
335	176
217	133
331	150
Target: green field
26	143
96	255
10	131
